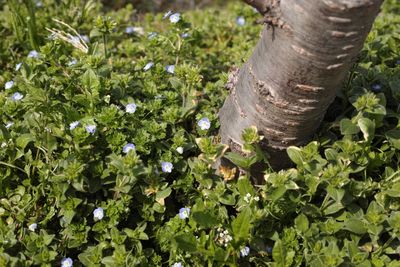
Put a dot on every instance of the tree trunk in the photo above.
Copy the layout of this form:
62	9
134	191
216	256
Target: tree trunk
297	67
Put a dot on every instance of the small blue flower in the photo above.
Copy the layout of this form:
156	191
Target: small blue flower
72	62
148	66
9	124
18	66
185	35
268	249
128	147
130	108
73	125
39	4
175	18
240	21
398	62
33	54
75	40
152	35
170	69
167	14
32	227
66	262
85	38
9	85
91	128
204	124
376	87
244	251
184	213
98	214
17	96
129	30
167	167
177	264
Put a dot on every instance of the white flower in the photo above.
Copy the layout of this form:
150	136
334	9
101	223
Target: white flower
247	198
184	213
39	4
148	66
185	35
17	96
177	264
167	167
33	54
9	85
3	145
9	124
175	18
18	66
167	14
128	147
223	237
170	69
73	125
32	227
179	150
130	108
98	214
204	124
240	21
131	30
66	262
244	252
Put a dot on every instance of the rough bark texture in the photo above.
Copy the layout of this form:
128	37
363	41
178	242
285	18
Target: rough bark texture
305	53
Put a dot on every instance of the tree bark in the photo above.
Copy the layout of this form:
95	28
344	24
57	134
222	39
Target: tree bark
295	71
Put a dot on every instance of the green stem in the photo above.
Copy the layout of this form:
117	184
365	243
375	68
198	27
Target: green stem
105	45
12	166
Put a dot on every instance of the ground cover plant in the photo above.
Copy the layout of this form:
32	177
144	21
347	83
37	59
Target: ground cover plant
109	135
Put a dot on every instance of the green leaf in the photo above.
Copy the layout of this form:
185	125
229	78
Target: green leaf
301	223
355	225
204	219
295	155
347	127
394	137
90	80
186	242
368	128
24	139
279	253
239	160
241	225
175	82
250	135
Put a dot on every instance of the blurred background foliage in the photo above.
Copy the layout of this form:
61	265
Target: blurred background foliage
162	5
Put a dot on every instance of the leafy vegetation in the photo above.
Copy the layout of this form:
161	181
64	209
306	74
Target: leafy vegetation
109	133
